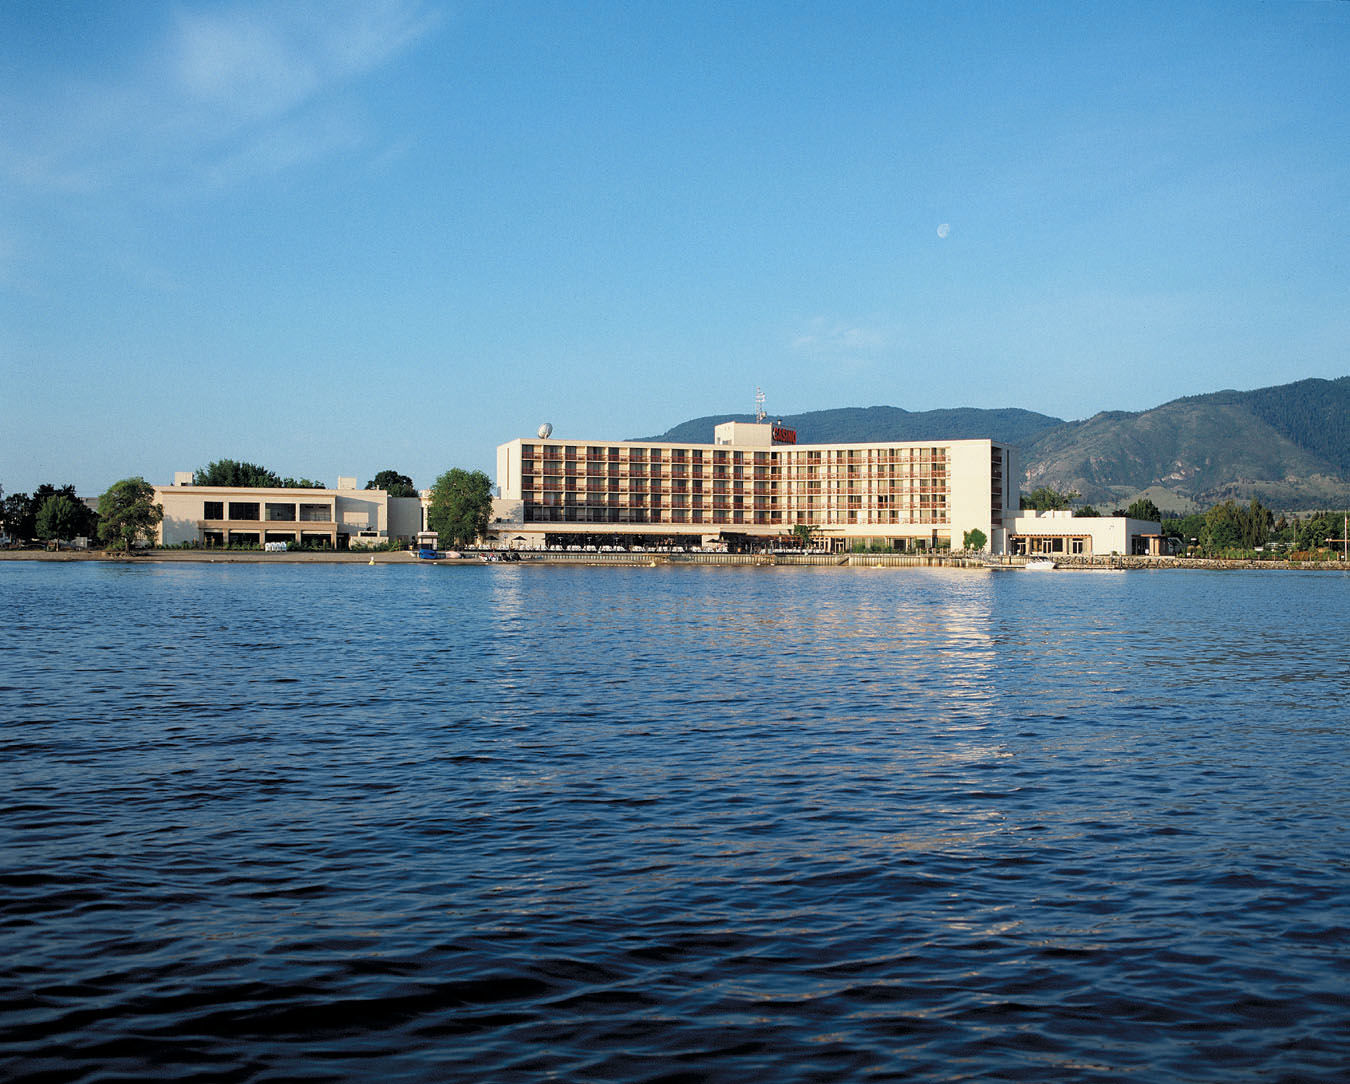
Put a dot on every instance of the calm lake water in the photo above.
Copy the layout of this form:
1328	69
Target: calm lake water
265	823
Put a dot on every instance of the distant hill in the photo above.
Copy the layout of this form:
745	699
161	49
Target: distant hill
1287	445
857	425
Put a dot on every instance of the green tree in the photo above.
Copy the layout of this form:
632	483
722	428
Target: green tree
1144	509
1046	499
1184	527
804	533
393	483
1315	531
1233	526
1255	520
128	512
975	540
240	475
19	517
60	518
233	472
1222	529
1087	512
461	506
85	518
19	513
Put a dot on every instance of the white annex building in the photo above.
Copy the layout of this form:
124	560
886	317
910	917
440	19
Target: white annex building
1062	534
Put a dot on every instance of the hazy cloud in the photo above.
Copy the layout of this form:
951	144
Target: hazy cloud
222	94
284	146
831	339
259	62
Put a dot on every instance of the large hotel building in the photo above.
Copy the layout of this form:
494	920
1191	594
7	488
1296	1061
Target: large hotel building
754	483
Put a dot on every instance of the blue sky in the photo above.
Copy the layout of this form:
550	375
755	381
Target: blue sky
334	238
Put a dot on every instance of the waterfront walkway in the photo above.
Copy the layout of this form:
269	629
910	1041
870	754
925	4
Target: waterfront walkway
839	560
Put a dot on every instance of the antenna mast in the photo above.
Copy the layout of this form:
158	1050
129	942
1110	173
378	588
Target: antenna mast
759	405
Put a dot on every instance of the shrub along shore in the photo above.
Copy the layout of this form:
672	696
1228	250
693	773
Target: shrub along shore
864	560
220	556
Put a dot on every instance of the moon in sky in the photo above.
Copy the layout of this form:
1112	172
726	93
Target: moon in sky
944	229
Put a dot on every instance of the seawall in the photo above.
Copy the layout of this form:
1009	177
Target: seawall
837	560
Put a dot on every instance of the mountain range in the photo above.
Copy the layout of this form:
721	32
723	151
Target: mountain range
1288	445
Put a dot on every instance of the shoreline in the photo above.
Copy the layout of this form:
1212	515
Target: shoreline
348	557
597	560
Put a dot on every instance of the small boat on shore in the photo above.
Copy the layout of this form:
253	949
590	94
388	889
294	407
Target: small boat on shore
1040	564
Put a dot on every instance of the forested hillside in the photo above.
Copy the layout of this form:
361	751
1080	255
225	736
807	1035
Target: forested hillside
1314	414
1288	445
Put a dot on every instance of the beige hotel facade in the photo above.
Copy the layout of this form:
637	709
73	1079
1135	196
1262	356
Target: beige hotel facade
752	485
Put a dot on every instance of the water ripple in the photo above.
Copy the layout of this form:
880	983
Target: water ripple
330	823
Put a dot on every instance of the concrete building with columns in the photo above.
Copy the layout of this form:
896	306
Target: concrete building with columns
340	518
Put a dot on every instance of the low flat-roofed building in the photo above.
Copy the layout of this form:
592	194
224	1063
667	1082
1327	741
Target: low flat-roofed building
751	486
341	518
1062	534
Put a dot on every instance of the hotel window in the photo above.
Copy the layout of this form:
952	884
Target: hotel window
243	510
213	510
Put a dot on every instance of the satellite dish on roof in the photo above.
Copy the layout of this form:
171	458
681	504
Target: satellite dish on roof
546	431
